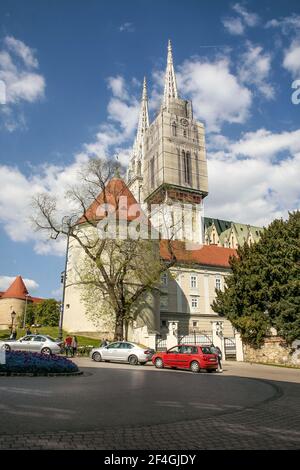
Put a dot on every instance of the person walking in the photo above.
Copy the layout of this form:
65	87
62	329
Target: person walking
28	331
217	351
68	345
74	345
14	334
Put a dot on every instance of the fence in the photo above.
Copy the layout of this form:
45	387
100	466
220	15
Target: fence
230	348
203	338
161	344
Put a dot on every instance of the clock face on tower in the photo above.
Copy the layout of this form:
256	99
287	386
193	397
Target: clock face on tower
184	122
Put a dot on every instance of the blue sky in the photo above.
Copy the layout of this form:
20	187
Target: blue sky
73	73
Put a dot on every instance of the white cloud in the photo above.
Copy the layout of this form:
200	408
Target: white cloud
22	82
250	19
217	95
118	87
237	25
127	28
248	178
287	24
6	281
291	61
17	189
20	49
234	25
254	68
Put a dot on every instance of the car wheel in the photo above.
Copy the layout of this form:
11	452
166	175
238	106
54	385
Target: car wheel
133	360
195	366
7	348
159	363
97	357
46	351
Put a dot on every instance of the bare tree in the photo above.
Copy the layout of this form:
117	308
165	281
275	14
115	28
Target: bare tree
118	272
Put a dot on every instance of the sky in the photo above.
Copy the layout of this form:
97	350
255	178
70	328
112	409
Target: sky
71	73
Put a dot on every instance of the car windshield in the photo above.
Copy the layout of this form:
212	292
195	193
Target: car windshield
207	350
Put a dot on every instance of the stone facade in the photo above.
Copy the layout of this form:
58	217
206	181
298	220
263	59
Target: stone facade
274	351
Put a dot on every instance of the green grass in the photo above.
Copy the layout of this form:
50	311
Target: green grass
54	332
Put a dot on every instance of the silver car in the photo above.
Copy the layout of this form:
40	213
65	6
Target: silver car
35	343
122	351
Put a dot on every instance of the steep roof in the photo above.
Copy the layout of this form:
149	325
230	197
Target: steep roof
119	197
206	255
17	290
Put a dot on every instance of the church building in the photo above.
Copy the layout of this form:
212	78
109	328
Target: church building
168	168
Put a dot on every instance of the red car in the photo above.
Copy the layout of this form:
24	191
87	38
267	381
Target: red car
186	356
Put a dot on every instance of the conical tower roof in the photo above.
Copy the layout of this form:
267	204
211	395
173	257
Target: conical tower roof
17	290
118	196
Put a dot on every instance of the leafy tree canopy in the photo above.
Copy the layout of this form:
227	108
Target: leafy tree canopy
45	313
263	290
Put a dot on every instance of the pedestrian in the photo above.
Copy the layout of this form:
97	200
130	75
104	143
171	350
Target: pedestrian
14	334
103	343
28	331
74	345
217	351
68	345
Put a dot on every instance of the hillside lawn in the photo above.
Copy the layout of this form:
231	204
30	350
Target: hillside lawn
54	332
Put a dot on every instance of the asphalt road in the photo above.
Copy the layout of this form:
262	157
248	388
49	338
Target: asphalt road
121	406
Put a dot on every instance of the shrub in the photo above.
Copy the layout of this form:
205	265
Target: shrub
36	363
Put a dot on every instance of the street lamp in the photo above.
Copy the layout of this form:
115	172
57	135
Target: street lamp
24	318
13	316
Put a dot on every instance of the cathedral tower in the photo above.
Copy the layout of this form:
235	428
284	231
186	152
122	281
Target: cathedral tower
136	164
168	162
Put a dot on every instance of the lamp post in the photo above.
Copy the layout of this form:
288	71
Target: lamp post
25	312
13	316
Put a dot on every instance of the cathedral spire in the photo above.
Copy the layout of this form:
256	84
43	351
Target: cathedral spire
170	90
143	122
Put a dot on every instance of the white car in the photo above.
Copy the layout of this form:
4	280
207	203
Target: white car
35	343
122	351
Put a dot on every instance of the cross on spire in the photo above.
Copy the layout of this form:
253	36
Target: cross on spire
170	90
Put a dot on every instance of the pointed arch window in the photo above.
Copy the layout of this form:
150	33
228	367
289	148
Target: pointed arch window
186	156
152	172
174	129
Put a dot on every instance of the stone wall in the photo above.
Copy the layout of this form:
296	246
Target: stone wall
275	351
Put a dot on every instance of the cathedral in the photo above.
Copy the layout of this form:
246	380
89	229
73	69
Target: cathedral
168	167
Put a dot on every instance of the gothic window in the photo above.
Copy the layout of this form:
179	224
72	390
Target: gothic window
184	133
152	172
187	166
174	129
139	168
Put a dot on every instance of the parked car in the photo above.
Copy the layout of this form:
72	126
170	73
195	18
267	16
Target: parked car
186	356
36	343
122	351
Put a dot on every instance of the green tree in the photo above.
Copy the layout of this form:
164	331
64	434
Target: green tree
45	313
263	290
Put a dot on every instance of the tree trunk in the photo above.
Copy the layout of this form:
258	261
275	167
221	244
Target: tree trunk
119	328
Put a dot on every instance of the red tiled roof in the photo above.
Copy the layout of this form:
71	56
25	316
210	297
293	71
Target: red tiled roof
18	290
114	190
207	255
